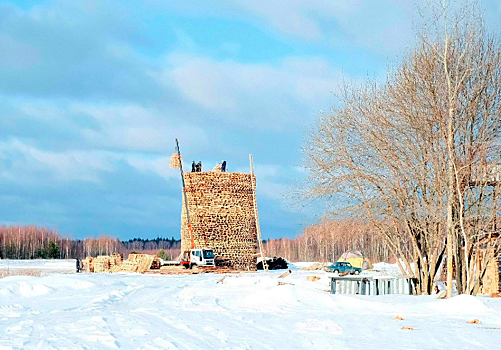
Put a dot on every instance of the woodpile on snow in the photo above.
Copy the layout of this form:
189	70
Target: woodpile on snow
115	263
314	267
222	217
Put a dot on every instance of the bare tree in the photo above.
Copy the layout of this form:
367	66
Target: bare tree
403	152
328	240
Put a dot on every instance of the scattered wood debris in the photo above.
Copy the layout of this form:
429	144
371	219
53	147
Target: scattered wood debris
285	283
179	270
474	321
286	273
314	267
312	278
441	294
408	328
399	318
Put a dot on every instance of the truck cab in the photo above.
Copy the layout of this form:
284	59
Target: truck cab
201	257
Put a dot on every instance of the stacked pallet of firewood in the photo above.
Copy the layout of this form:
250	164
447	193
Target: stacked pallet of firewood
138	263
115	263
88	264
222	217
116	259
102	264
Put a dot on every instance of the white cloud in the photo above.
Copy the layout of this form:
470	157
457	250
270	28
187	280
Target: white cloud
24	161
268	181
255	93
381	26
159	166
136	128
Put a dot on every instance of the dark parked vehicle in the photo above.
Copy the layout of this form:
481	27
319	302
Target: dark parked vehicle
341	267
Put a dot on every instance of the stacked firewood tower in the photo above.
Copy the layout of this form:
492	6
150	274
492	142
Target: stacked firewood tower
219	212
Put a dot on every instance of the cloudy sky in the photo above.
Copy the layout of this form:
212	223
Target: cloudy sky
93	93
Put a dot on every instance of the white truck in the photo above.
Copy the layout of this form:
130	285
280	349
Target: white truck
198	257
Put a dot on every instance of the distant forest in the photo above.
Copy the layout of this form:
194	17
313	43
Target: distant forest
32	242
328	240
324	241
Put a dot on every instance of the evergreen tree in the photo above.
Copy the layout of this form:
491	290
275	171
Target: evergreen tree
53	250
162	254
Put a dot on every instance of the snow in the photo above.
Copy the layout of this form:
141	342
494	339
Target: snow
243	311
303	264
387	269
61	265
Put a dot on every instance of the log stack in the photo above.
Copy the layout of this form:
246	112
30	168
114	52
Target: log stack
115	263
222	217
88	264
102	264
137	263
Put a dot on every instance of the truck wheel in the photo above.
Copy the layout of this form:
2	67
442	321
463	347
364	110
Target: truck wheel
191	266
336	271
357	272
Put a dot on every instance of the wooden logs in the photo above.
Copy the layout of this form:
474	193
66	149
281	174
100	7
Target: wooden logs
286	273
116	260
88	264
312	278
222	217
174	161
102	264
115	263
137	263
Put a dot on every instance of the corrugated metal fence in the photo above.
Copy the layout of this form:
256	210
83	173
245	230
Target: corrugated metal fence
370	285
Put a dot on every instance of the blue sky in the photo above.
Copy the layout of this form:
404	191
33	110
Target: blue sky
93	93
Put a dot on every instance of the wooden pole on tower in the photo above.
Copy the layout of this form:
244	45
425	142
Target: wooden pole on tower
190	229
258	228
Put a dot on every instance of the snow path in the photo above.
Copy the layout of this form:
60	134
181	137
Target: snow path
248	311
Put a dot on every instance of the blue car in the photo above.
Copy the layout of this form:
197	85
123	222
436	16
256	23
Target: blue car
341	267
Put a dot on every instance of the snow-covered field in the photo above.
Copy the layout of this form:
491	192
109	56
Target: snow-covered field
247	311
46	265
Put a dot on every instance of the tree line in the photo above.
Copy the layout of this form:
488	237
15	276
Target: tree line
328	240
32	242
